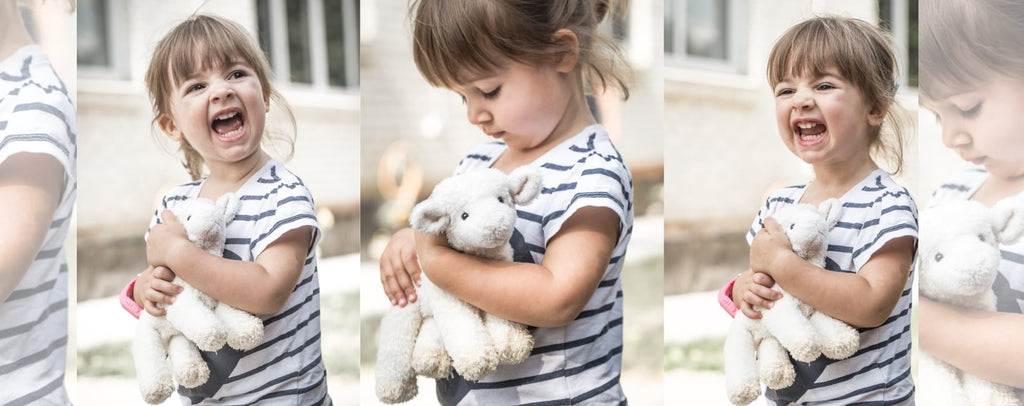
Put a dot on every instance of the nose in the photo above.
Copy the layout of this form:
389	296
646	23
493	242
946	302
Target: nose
954	135
802	100
476	113
221	90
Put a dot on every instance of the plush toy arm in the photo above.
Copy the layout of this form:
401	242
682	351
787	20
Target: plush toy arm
1008	219
525	184
395	381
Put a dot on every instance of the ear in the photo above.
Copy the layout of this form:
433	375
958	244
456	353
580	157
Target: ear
1008	219
229	203
429	217
831	209
877	114
524	184
570	54
167	125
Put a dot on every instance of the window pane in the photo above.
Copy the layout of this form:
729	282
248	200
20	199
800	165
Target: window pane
92	34
334	25
263	27
706	29
298	41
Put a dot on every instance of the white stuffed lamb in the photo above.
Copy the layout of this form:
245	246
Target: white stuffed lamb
476	213
195	320
958	260
757	348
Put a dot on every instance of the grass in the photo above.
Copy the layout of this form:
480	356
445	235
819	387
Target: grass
700	355
112	359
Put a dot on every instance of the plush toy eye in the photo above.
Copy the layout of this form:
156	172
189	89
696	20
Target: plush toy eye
465	216
187	218
981	237
938	257
792	226
501	199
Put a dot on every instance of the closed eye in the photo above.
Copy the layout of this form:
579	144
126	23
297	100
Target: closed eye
971	112
492	94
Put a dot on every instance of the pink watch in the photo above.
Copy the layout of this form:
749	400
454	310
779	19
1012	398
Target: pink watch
126	299
725	298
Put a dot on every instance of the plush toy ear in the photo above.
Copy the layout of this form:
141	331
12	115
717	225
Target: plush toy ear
229	204
831	209
1008	219
429	217
524	184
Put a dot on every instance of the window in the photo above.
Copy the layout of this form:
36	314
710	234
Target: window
311	42
900	18
101	52
706	34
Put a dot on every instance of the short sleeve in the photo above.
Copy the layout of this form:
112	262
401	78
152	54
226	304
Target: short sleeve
293	209
896	213
38	122
607	184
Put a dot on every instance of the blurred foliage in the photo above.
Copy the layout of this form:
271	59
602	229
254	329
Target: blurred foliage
700	355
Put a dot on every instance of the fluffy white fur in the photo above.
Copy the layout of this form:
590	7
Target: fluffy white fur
958	260
195	321
476	213
757	349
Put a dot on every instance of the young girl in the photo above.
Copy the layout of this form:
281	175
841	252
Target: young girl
971	79
522	71
833	80
210	86
37	194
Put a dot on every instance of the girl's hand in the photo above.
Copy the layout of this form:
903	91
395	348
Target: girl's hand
163	238
769	247
399	270
153	290
754	289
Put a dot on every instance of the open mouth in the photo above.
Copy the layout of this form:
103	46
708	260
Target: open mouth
228	125
809	132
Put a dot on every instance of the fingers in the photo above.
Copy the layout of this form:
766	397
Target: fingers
763	279
391	287
153	309
168	217
163	273
771	225
749	311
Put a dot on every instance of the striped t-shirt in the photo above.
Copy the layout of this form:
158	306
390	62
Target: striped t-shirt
875	211
37	115
578	363
1009	284
286	368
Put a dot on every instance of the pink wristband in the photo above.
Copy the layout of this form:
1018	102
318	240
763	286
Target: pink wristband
126	299
725	298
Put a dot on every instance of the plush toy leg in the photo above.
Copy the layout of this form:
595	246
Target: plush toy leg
774	366
245	331
196	321
982	392
189	368
429	358
395	380
838	339
151	369
787	323
741	381
464	336
938	383
512	341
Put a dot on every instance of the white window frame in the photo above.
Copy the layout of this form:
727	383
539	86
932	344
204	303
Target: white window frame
735	34
115	42
279	50
900	29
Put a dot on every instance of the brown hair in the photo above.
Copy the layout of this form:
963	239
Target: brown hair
454	41
202	42
961	41
861	53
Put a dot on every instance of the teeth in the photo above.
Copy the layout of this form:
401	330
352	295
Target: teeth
226	116
805	126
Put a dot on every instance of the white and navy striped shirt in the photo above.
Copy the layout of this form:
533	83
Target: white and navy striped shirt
1009	284
287	367
37	115
875	211
578	363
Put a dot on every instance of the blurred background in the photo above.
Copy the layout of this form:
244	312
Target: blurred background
720	131
125	166
413	136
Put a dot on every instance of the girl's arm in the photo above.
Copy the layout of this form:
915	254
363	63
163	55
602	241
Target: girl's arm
550	294
985	344
259	287
863	299
399	271
30	190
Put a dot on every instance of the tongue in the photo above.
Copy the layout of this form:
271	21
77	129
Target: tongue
228	125
817	129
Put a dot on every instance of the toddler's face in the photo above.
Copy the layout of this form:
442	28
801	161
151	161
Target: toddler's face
986	125
824	119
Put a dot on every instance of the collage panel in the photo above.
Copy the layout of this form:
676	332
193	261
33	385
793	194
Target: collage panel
753	101
415	135
290	158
